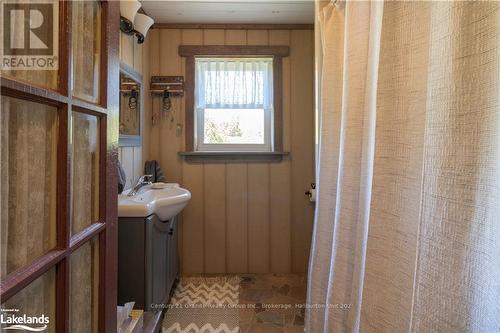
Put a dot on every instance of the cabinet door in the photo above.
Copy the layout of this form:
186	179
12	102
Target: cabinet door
173	254
132	260
158	254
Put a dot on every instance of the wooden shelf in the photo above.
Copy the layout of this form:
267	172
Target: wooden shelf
223	156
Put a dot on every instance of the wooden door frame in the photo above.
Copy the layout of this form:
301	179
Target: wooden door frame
106	225
111	69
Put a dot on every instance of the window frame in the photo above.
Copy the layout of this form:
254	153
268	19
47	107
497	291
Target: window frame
199	133
277	52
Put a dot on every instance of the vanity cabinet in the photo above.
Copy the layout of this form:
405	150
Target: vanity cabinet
148	261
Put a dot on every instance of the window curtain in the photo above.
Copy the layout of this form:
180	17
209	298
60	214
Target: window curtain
234	83
407	220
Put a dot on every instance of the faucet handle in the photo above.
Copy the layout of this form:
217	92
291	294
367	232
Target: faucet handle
145	178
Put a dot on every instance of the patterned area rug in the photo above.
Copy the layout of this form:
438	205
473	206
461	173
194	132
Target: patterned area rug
204	305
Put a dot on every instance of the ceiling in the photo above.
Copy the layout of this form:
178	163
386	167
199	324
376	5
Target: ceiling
231	11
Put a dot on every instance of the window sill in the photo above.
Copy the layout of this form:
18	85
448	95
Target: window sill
222	156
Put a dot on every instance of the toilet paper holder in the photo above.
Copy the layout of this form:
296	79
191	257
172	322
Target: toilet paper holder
311	192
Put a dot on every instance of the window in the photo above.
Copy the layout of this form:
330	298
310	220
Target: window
234	104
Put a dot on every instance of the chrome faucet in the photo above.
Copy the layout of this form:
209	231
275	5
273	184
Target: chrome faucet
142	181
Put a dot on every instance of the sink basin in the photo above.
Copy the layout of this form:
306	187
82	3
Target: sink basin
165	202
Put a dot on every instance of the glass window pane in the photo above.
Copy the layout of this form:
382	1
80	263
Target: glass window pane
84	287
85	171
234	104
234	126
28	168
36	300
86	43
34	59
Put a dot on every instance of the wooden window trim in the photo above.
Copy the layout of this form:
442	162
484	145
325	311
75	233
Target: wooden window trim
234	50
237	156
277	52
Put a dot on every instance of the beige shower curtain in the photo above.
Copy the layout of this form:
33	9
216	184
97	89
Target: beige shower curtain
407	227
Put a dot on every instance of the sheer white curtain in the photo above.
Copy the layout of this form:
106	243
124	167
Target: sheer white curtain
407	220
244	83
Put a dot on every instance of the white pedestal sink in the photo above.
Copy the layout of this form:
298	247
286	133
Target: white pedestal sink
164	202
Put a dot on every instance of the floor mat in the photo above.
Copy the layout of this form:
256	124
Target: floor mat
204	305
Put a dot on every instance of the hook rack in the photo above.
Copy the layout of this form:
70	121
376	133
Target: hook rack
174	85
165	87
128	86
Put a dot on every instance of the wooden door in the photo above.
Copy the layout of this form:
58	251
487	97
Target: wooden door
59	138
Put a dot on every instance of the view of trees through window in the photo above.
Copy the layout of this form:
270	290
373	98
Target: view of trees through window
221	133
234	126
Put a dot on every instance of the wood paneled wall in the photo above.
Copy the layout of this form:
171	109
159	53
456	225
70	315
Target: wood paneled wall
243	217
136	56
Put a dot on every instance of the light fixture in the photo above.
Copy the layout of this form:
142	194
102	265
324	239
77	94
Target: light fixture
128	10
132	22
142	23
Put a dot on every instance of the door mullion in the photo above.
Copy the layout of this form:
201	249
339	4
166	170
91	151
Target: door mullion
63	218
63	178
64	167
62	295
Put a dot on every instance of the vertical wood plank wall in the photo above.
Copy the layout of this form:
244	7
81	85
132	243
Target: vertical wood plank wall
136	56
243	217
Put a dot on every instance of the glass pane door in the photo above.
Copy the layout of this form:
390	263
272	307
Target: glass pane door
31	52
58	227
86	43
29	182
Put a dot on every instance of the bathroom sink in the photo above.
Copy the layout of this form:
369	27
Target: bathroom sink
164	202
